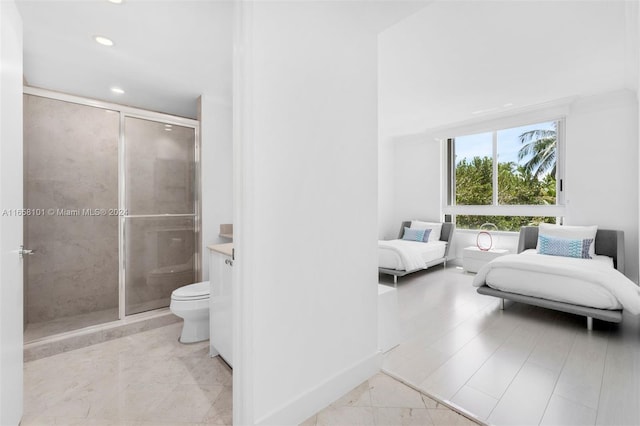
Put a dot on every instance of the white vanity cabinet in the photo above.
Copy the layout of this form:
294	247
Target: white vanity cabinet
220	299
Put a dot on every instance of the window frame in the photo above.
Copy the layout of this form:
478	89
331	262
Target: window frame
495	209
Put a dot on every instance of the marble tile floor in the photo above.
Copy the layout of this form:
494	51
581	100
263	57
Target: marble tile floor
38	330
521	366
384	401
148	378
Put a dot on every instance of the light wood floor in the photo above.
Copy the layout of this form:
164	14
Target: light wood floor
521	366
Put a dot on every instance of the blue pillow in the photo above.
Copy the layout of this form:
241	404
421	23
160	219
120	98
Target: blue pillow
412	234
564	247
425	239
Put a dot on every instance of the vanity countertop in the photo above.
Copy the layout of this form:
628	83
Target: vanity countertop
226	249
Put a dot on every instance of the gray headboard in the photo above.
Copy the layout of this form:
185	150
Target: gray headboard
608	243
445	234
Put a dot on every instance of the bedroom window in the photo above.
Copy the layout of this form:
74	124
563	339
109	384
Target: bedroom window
507	176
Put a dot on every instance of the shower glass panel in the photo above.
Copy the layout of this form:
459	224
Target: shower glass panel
160	168
160	223
160	255
71	176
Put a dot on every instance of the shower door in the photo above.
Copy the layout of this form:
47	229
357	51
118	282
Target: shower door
70	172
159	222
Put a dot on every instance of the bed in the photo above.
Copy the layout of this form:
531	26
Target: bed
400	257
594	288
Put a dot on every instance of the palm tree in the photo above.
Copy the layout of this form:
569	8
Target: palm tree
541	145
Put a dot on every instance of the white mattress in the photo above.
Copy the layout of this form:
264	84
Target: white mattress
428	251
554	287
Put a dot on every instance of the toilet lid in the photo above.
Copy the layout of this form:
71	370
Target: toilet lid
192	291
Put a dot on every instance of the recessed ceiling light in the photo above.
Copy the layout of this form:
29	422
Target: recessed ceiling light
168	125
507	105
116	1
103	40
117	90
167	129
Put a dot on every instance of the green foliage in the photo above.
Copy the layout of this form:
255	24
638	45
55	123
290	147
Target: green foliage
517	185
474	182
504	223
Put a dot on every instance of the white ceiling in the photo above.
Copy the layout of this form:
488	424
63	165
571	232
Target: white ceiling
166	53
453	59
438	66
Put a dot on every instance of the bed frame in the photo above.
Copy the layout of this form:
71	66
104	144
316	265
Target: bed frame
608	243
445	235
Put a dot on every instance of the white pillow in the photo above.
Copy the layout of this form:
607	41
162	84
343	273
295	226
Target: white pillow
569	232
436	228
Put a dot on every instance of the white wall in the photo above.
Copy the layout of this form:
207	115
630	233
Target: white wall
418	177
216	171
386	188
306	210
602	167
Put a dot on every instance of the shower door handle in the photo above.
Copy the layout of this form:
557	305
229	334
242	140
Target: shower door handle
24	252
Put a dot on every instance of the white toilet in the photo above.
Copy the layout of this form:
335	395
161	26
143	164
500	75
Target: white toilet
191	303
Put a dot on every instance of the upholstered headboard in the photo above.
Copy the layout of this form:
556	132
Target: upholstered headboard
608	243
445	234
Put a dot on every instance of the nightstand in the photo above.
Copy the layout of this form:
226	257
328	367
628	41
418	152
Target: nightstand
473	258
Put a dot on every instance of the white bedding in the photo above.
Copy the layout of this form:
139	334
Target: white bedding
585	282
403	255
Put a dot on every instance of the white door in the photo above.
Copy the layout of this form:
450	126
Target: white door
11	301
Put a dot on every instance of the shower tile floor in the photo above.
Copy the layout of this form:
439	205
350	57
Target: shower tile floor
149	378
38	330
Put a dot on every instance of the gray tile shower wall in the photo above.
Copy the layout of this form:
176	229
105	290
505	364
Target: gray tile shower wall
71	164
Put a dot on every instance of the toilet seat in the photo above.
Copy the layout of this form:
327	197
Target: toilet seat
197	291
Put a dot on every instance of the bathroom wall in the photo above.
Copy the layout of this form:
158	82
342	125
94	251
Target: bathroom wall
216	156
71	163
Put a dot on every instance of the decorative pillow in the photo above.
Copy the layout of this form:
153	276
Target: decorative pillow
425	238
565	247
435	227
569	232
413	234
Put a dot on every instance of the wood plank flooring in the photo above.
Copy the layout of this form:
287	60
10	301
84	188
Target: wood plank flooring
521	366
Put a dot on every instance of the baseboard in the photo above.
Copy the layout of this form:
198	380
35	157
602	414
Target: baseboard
314	400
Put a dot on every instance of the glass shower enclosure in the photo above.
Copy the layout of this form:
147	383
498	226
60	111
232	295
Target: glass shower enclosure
160	212
116	225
